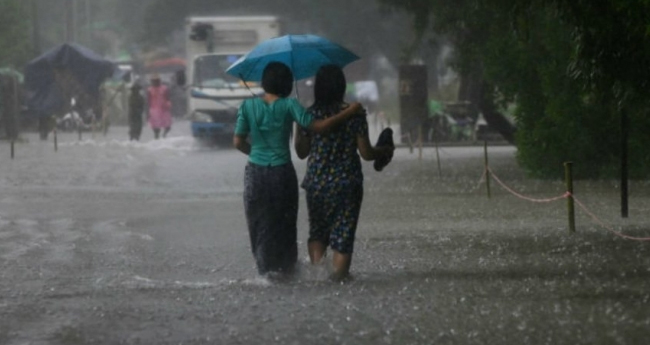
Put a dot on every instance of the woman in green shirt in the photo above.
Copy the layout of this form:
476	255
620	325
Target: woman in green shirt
270	181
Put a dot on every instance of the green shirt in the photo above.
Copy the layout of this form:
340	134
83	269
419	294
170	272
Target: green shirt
269	127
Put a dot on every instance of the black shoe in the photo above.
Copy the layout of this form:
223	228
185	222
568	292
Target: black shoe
385	139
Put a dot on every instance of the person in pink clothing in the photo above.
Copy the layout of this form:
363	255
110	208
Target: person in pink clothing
159	111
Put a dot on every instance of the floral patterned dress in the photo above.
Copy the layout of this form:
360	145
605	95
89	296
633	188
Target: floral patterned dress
334	181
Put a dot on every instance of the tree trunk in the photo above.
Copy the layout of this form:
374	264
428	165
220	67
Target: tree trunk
493	117
481	94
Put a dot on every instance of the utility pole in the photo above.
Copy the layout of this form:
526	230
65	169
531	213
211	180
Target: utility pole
625	125
69	21
89	38
36	39
75	25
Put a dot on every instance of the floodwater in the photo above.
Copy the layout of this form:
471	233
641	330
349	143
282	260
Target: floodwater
113	242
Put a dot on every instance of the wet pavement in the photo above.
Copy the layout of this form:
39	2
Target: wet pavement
113	242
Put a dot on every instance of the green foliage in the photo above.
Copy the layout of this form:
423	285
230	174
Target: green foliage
612	46
15	33
570	67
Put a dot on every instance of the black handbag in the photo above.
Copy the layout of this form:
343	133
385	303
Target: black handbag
385	139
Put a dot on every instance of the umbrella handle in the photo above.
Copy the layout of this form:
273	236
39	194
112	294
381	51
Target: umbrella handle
246	84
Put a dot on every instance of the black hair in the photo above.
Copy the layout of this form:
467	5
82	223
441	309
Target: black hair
329	87
277	79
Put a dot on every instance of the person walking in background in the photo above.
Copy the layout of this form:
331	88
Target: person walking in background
270	181
334	178
136	109
159	109
178	95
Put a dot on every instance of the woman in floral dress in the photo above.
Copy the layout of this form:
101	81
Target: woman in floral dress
334	178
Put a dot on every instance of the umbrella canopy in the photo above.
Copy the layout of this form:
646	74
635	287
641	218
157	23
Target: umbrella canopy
88	69
304	54
165	65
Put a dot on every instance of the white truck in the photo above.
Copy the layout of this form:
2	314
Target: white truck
212	45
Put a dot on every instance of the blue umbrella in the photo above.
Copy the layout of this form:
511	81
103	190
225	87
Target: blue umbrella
304	54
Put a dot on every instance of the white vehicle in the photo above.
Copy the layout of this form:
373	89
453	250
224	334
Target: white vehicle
212	45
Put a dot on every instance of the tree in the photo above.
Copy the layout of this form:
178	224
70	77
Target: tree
566	65
15	33
612	46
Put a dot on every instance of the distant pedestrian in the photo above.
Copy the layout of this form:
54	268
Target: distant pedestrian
136	110
9	105
159	109
334	178
270	181
178	95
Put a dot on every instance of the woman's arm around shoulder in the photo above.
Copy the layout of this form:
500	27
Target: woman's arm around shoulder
320	126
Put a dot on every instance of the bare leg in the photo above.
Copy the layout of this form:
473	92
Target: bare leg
342	264
316	251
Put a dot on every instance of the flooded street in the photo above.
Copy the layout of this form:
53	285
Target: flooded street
113	242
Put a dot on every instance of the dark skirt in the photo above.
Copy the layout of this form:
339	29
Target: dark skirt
271	206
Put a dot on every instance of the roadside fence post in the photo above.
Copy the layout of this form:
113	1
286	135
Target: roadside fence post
93	127
420	142
435	142
487	171
56	146
568	176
